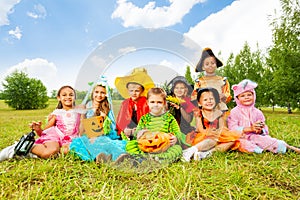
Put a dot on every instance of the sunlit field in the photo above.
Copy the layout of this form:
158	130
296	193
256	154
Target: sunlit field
231	175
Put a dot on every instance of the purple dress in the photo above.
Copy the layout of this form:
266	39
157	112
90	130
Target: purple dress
66	127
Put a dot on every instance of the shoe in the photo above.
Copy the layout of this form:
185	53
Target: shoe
8	152
202	154
103	158
188	153
121	158
31	155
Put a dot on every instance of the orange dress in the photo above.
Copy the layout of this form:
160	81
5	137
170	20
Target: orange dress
211	130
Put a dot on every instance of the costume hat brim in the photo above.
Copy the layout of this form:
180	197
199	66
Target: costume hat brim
139	76
207	52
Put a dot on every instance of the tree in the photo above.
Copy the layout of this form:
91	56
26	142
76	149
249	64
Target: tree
53	94
188	75
21	92
247	65
284	55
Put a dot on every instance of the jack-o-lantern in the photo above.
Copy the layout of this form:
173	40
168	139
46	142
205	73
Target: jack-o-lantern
154	142
93	126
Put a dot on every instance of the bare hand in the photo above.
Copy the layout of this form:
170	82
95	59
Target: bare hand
258	126
174	105
36	126
173	140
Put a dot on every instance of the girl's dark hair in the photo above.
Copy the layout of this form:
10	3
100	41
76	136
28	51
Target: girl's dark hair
59	105
103	105
209	89
157	91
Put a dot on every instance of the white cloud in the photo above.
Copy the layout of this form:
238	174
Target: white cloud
6	9
39	12
228	30
36	68
126	50
16	33
151	16
166	63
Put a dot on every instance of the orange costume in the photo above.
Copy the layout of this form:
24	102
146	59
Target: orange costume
216	131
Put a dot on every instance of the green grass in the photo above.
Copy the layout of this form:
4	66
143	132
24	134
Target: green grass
231	175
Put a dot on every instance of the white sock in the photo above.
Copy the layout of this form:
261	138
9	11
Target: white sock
188	153
8	152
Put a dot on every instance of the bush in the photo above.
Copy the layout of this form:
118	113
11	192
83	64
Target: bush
22	93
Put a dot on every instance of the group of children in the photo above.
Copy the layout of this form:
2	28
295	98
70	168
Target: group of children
147	108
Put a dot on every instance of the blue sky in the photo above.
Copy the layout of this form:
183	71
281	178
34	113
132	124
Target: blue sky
53	40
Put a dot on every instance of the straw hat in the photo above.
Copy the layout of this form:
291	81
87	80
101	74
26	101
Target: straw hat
139	76
207	52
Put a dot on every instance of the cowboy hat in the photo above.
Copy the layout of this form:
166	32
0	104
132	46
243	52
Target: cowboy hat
137	76
207	52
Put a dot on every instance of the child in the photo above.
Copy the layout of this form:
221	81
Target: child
159	120
212	135
250	121
106	147
133	88
63	126
209	63
183	112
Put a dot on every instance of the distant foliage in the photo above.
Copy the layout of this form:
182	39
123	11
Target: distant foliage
188	75
250	65
284	58
23	93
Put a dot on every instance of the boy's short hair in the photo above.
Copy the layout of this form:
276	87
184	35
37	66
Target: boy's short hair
157	91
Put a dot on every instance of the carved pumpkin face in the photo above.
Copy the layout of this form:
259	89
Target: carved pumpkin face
93	126
154	142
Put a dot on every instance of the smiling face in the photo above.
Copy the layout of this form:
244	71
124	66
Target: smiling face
99	93
180	90
135	91
156	104
209	65
207	101
67	98
246	98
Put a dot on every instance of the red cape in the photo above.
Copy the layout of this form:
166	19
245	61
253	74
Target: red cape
125	113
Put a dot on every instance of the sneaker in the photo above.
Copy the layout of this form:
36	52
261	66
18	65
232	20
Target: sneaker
8	152
121	158
103	158
202	154
31	155
188	153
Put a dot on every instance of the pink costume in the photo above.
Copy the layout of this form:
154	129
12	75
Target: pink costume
66	127
244	116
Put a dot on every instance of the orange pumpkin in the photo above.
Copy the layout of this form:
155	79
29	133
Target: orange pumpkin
154	142
93	126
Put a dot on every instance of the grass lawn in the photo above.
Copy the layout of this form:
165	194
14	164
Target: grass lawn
230	175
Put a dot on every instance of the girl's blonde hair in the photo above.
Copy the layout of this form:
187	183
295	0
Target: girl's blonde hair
157	91
59	105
